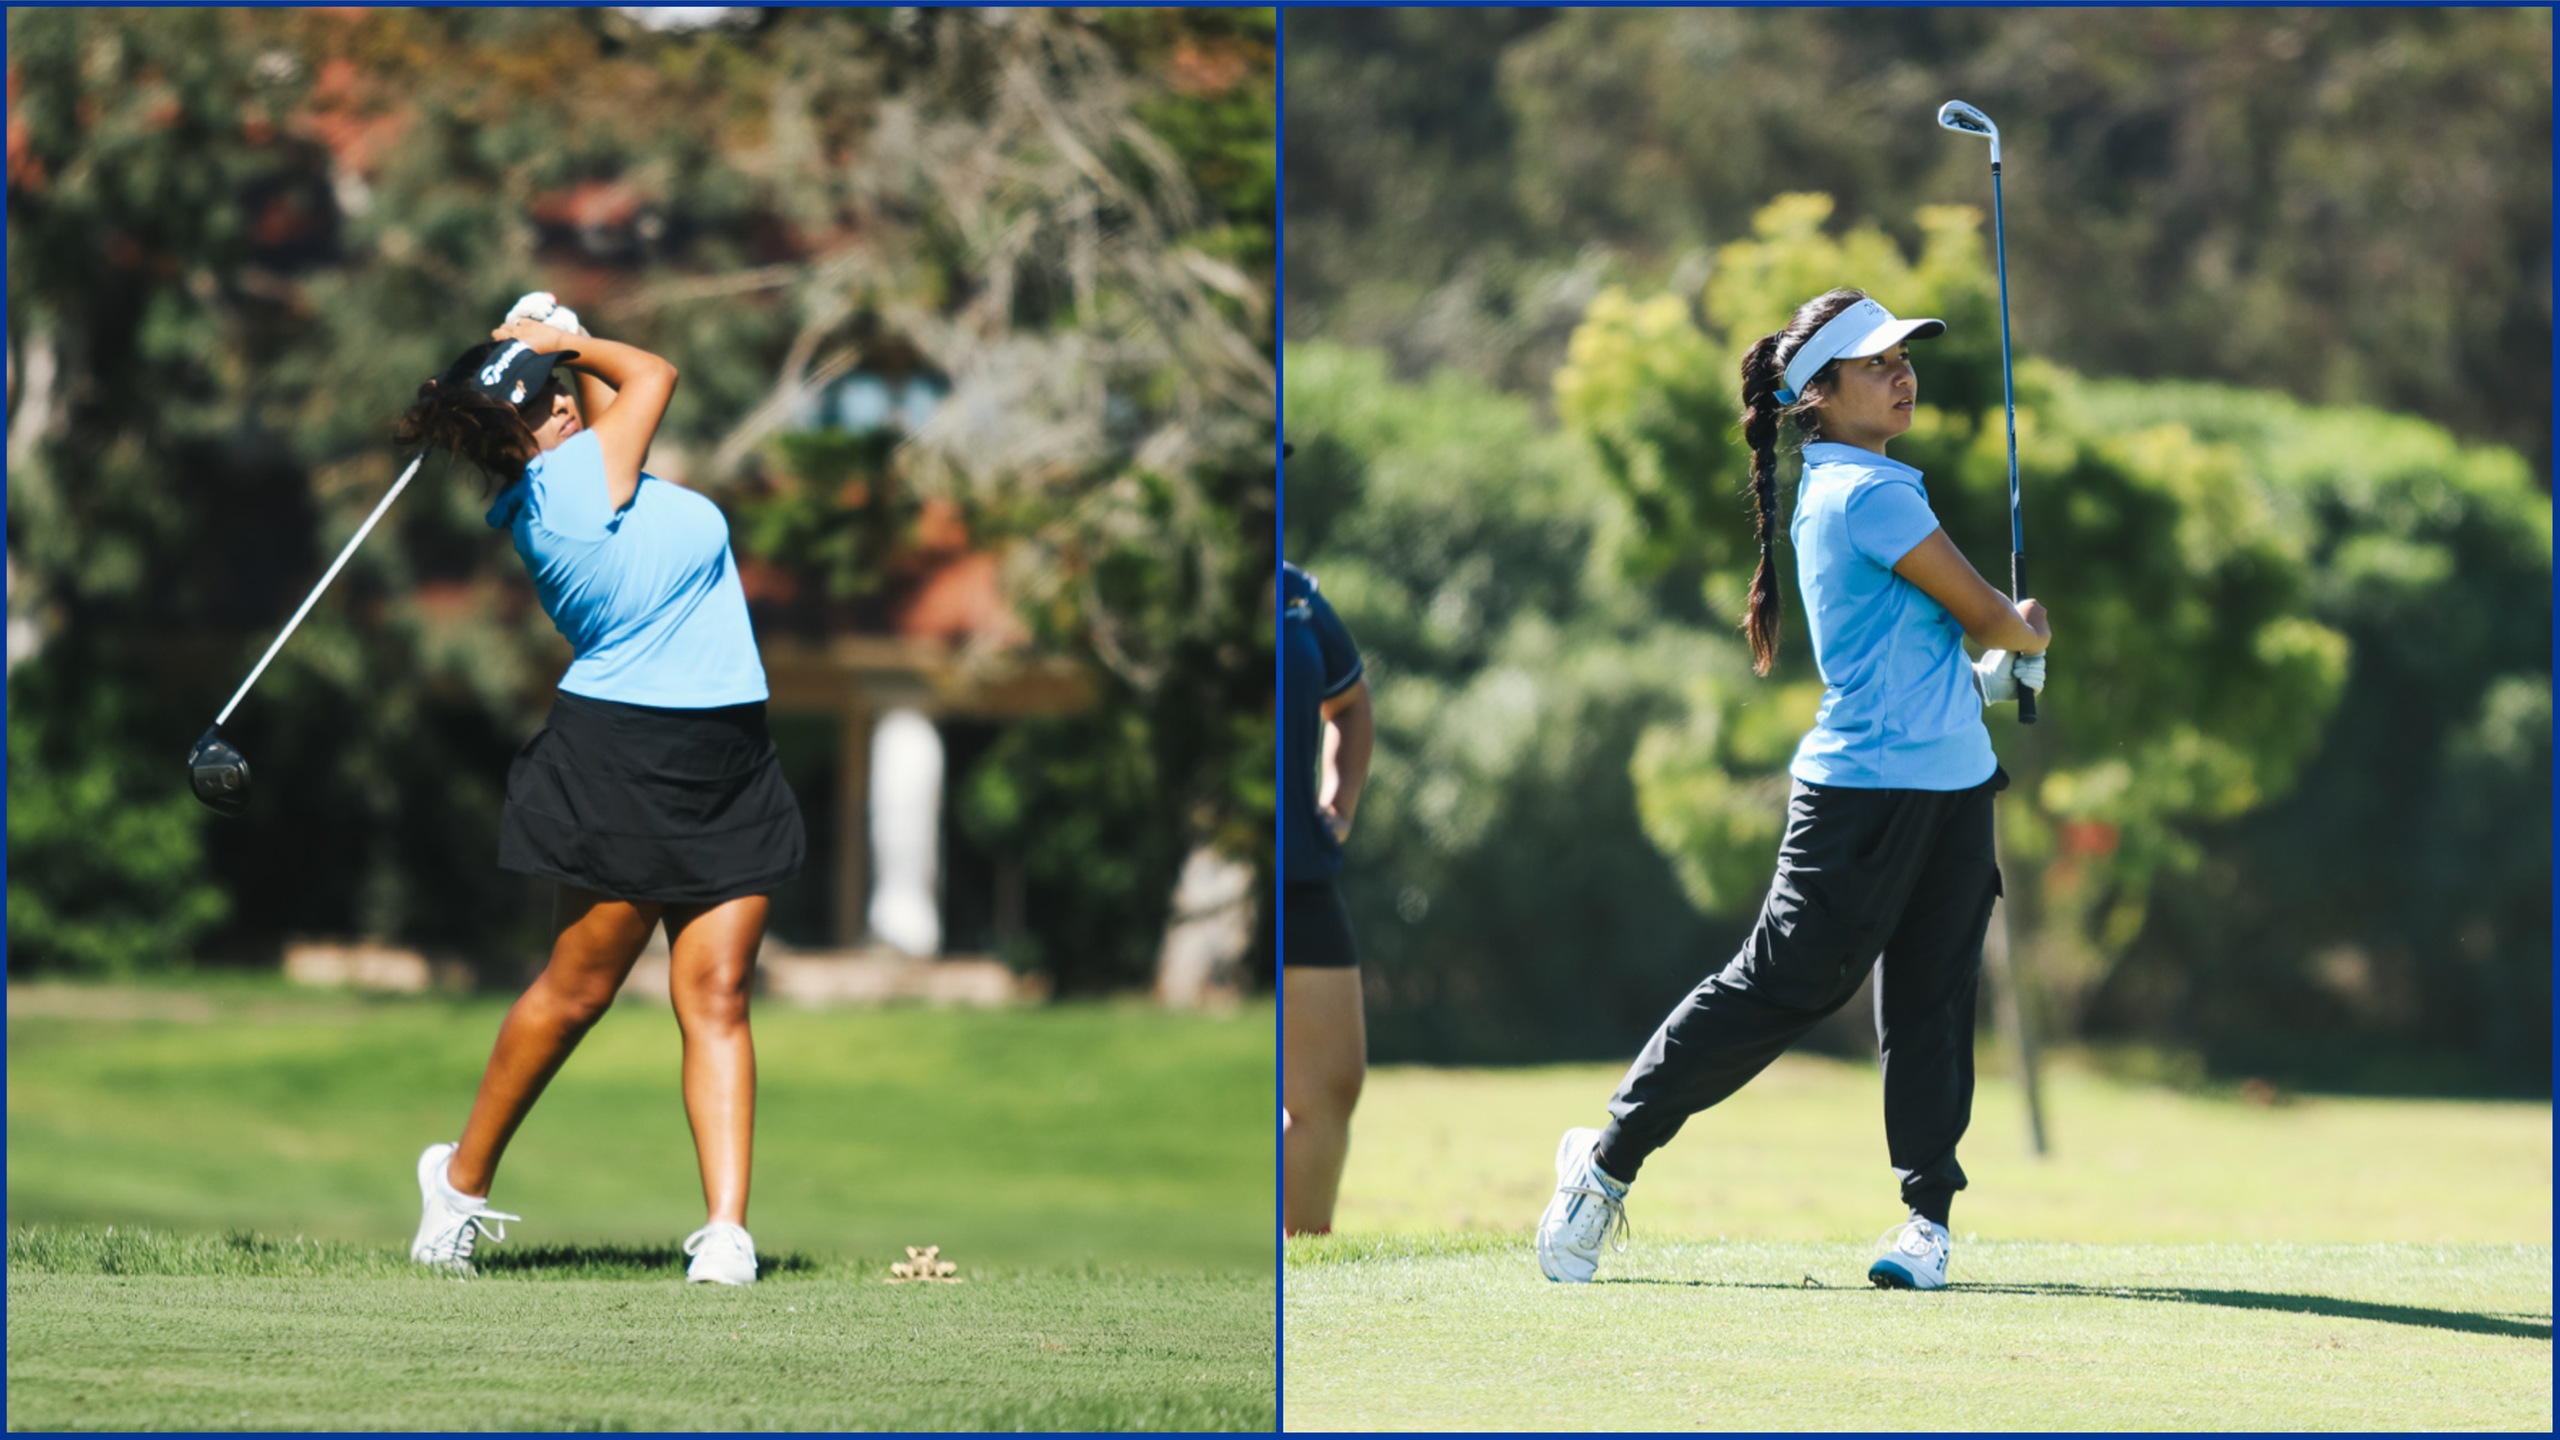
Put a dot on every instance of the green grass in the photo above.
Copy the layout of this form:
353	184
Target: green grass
1118	1134
1102	1174
150	1332
1799	1155
2180	1261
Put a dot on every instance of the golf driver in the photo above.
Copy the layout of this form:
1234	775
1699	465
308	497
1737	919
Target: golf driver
1957	115
216	769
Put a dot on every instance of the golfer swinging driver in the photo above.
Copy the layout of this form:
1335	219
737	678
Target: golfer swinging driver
1887	848
653	794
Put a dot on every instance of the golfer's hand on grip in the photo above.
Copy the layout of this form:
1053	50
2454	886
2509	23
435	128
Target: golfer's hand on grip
2031	614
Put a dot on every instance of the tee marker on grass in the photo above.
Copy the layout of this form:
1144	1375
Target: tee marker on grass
924	1263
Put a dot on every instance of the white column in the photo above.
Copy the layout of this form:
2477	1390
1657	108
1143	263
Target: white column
1208	934
906	831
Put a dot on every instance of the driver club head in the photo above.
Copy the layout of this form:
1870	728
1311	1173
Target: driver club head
219	773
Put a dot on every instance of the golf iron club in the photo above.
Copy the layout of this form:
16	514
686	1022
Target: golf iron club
216	769
1957	115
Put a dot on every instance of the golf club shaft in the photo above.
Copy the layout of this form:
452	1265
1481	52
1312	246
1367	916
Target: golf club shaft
2009	400
314	597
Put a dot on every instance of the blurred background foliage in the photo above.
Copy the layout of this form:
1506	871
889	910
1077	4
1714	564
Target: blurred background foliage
238	239
2289	806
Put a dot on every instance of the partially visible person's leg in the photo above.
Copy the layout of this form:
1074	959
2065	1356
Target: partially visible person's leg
1925	997
712	965
1326	1047
596	942
1325	1050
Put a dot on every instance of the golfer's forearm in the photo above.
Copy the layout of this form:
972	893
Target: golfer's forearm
593	395
1354	737
620	366
1988	617
2010	633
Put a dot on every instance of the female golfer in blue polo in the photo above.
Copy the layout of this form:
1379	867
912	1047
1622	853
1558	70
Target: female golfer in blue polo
653	794
1887	849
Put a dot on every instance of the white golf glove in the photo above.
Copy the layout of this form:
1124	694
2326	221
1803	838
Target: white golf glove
543	306
1999	674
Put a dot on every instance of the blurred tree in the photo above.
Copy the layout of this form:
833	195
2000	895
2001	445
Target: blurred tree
2351	205
2254	591
105	858
1507	904
2389	920
239	238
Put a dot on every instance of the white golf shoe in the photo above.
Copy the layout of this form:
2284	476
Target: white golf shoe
1914	1258
1586	1209
450	1223
723	1254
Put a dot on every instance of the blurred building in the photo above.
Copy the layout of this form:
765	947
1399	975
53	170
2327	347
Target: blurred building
885	699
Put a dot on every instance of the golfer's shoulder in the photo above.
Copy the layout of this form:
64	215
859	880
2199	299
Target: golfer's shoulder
563	490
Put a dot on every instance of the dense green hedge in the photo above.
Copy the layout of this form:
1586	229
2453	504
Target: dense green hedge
2285	632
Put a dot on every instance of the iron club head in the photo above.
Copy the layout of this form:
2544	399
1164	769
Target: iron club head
1957	115
219	773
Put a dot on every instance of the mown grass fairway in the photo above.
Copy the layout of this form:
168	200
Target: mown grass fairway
1102	1174
2181	1261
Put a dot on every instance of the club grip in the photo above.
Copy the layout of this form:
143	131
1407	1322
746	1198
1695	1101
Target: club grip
2017	591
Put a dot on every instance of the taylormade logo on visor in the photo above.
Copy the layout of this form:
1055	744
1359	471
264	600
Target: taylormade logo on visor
499	362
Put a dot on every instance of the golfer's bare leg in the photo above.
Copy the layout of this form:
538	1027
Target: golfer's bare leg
596	941
714	967
1326	1048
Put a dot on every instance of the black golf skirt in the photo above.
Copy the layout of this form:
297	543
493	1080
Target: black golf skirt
679	807
1315	929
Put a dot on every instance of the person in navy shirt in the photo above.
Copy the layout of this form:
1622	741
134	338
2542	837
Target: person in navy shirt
653	795
1326	738
1887	850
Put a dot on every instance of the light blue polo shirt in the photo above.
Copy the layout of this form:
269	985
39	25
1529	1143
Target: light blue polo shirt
1899	711
646	595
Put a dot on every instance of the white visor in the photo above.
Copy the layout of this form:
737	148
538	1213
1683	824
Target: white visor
1863	329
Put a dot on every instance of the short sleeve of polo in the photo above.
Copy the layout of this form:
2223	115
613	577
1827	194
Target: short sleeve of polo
1342	664
1887	517
565	489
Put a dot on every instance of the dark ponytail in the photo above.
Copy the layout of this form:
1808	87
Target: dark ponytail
1764	369
496	437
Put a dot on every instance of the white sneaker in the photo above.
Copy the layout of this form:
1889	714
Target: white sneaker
723	1254
450	1222
1586	1208
1915	1257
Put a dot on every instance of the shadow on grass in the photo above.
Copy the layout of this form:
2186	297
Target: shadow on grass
2468	1322
614	1262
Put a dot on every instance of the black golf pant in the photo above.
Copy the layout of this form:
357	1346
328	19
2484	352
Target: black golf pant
1905	874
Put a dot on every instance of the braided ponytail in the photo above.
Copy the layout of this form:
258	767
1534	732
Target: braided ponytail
1764	418
1761	412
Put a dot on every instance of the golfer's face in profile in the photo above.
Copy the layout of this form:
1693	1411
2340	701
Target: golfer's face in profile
1871	398
552	433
